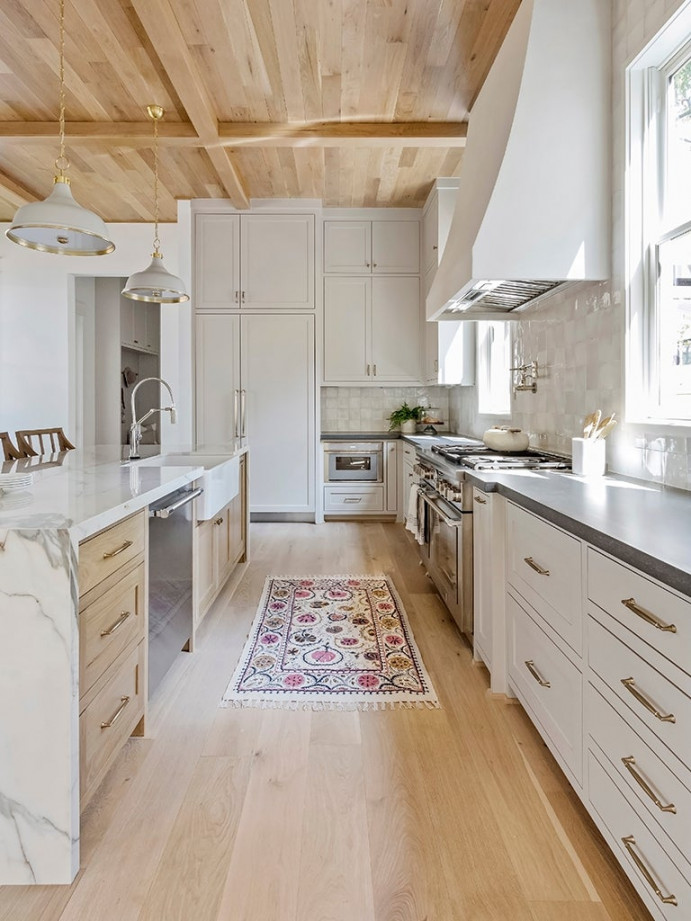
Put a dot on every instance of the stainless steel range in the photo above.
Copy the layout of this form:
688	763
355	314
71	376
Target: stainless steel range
446	512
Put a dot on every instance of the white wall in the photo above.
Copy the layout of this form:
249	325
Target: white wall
37	327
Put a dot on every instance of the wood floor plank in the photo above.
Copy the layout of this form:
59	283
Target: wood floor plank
263	875
335	877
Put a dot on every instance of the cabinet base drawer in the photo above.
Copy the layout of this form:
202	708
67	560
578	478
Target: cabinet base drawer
105	553
345	500
110	718
548	684
646	863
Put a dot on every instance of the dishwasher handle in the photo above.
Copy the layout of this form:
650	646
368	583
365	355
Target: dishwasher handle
169	509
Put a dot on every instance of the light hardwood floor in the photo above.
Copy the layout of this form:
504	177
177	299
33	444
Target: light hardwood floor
272	815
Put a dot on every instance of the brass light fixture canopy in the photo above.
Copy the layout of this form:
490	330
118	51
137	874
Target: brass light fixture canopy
58	224
155	284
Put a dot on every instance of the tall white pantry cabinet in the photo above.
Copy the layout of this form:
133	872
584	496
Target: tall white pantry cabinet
255	349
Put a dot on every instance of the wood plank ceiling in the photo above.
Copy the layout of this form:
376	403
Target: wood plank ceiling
355	102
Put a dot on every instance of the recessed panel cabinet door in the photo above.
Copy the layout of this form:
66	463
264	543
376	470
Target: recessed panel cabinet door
217	377
217	261
395	247
277	261
347	247
346	329
278	380
396	329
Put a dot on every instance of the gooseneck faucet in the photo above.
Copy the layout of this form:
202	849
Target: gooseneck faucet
136	427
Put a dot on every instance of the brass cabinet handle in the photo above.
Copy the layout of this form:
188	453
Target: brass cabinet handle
116	626
480	500
219	520
629	763
351	499
368	374
374	370
630	685
629	841
118	713
533	565
367	265
112	553
242	296
649	618
374	265
530	665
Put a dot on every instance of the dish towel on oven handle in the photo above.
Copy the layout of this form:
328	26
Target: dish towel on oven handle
415	520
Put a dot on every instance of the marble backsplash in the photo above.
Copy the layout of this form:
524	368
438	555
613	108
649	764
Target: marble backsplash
366	409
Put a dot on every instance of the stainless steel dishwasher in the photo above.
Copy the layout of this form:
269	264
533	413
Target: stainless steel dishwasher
171	616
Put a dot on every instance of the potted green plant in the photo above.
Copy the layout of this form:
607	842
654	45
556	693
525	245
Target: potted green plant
407	417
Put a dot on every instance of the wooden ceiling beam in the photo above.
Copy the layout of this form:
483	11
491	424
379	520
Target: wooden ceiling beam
344	134
14	192
167	39
134	133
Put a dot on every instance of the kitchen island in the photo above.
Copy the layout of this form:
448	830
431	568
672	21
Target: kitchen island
72	498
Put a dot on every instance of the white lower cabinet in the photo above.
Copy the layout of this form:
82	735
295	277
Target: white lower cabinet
353	499
482	577
619	719
255	378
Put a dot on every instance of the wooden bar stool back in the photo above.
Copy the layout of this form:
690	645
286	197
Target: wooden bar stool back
42	441
8	449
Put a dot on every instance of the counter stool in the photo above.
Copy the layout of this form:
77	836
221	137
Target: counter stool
8	449
42	441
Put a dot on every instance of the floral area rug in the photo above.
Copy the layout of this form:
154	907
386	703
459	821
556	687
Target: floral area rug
330	642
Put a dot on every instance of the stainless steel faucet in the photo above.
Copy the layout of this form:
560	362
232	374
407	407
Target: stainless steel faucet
136	427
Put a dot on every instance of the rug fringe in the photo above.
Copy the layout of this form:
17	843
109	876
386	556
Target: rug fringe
326	705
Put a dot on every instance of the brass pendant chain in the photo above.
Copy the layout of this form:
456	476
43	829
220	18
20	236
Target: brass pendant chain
62	163
157	242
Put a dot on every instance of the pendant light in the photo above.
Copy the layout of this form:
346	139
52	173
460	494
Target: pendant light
58	224
156	283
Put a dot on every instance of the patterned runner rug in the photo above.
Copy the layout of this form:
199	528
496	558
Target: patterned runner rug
330	642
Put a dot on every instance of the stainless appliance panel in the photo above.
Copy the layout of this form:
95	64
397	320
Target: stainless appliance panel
360	462
171	613
448	556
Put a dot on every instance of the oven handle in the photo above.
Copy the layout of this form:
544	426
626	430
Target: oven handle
434	503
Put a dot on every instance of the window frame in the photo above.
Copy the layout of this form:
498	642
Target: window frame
488	403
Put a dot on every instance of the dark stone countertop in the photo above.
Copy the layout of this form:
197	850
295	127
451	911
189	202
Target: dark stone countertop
640	523
359	436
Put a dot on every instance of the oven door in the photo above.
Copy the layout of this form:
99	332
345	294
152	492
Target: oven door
449	551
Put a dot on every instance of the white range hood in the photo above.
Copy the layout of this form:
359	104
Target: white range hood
533	204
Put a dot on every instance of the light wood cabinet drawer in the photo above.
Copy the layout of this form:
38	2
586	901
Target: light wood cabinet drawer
647	778
109	625
104	554
353	500
658	616
645	861
659	704
548	684
544	565
110	717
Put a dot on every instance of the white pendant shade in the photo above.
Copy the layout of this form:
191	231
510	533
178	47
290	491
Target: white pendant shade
156	284
60	225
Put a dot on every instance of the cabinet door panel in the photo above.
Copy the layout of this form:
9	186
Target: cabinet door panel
395	247
277	260
347	246
396	329
217	376
205	575
278	378
217	266
346	329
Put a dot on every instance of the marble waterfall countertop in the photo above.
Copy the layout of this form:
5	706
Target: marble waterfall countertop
88	491
40	530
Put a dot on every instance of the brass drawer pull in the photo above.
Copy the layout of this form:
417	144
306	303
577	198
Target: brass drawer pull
630	685
628	763
649	618
118	713
530	665
480	500
533	565
219	520
116	626
629	842
352	499
112	553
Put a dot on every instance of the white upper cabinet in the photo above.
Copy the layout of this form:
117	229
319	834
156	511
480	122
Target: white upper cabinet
277	261
217	262
140	326
372	247
254	262
371	330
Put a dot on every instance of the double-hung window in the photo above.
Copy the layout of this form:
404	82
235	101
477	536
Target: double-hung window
659	227
493	364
